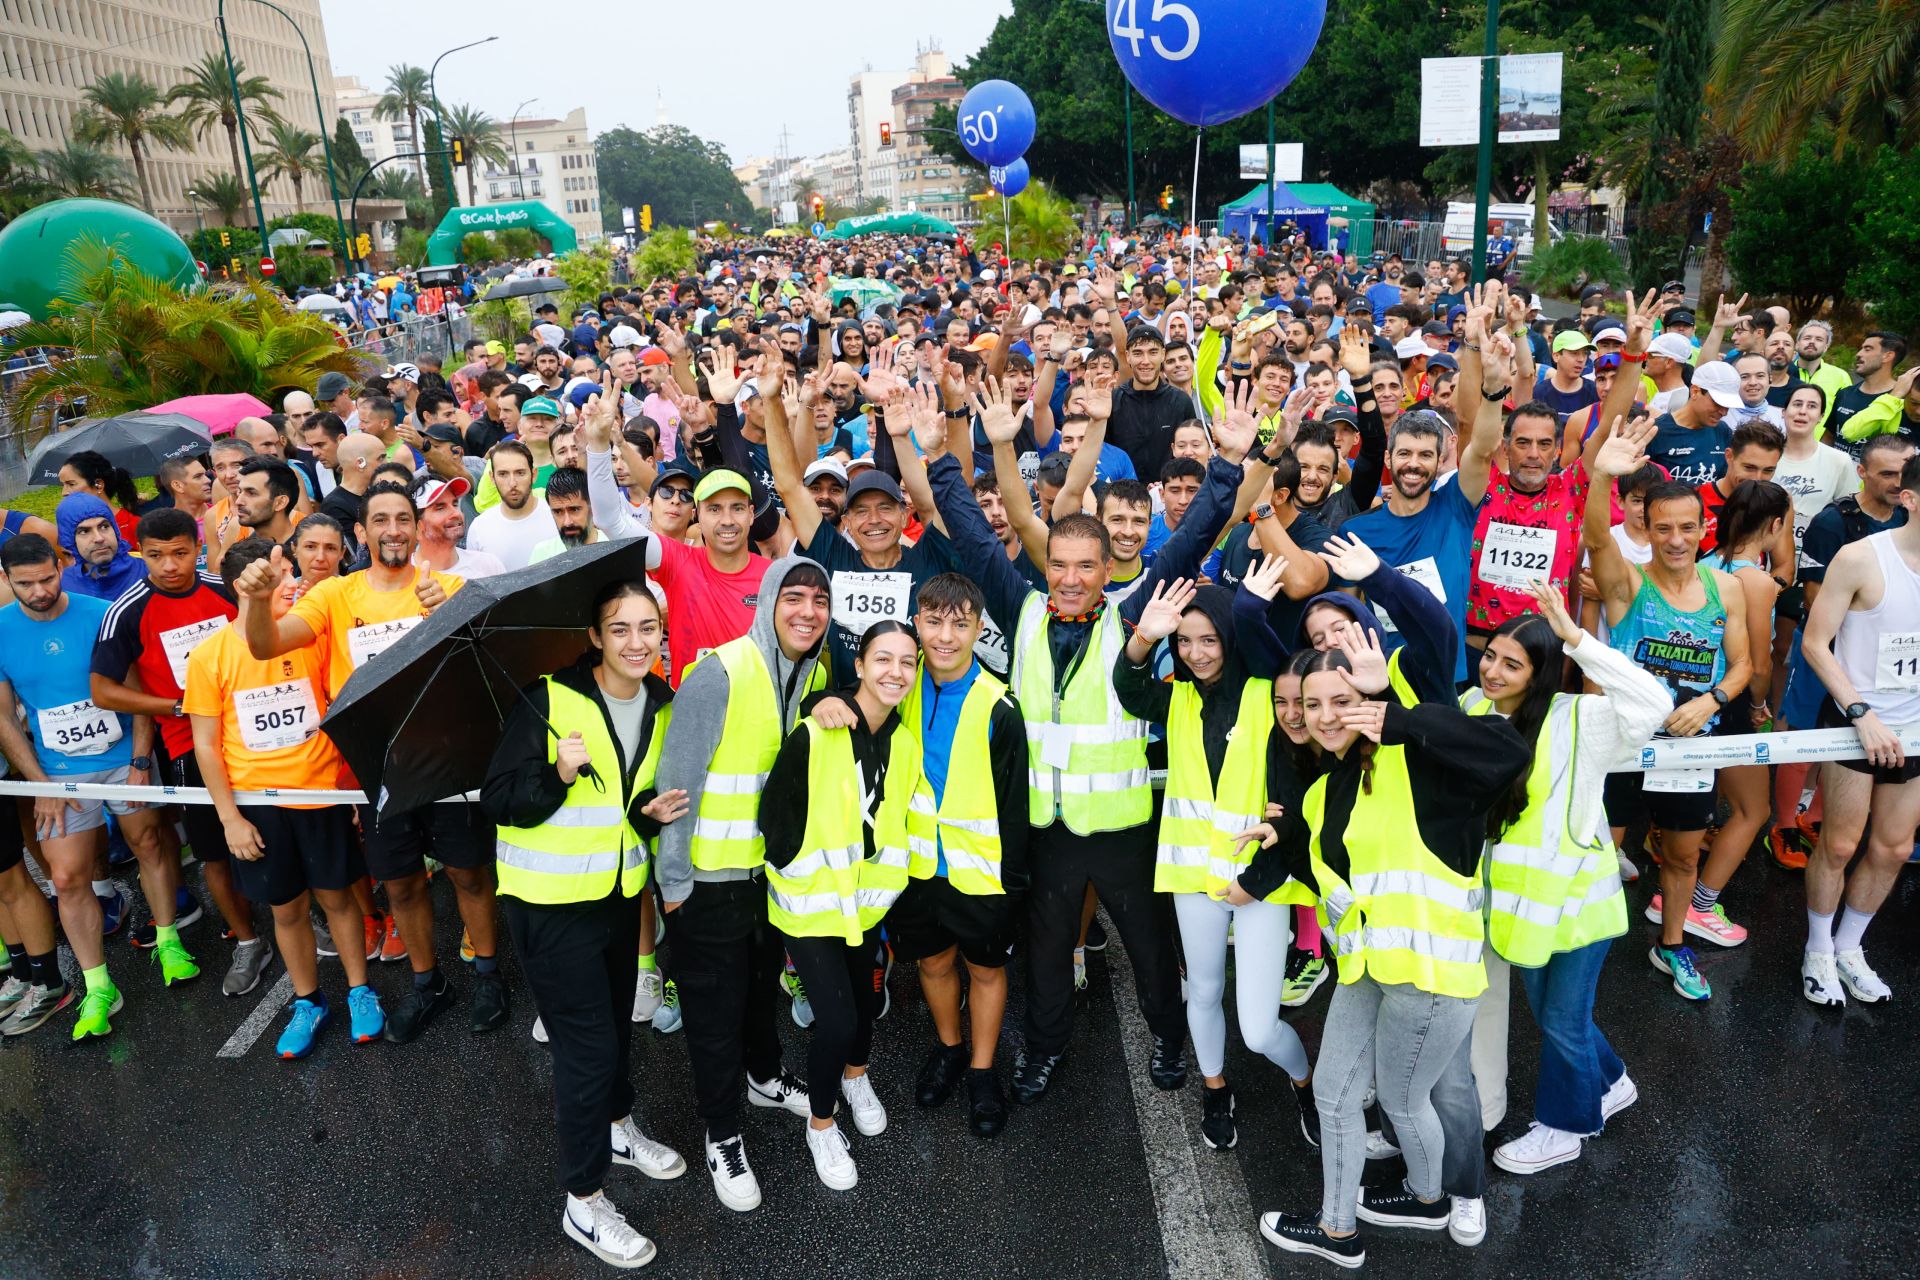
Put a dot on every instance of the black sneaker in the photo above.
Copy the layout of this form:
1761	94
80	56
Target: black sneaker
1305	1235
489	1004
1168	1066
986	1107
1309	1113
1033	1075
1399	1207
939	1074
416	1007
1216	1118
1096	935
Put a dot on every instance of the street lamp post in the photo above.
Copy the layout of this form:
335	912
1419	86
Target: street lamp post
440	117
246	147
513	145
193	198
326	133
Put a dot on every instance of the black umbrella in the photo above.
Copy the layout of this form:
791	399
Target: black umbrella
525	287
419	722
140	442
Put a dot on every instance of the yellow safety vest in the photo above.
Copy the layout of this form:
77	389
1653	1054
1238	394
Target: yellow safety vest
1105	785
726	830
1198	818
832	889
587	844
965	821
1550	888
1401	914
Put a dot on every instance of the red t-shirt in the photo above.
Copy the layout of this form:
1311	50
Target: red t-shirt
1711	502
1533	535
151	632
705	608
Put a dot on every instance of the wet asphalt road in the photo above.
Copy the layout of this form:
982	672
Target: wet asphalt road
1771	1139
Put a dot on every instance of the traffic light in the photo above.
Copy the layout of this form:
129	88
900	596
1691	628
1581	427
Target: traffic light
819	207
226	240
459	146
646	217
363	246
886	135
1166	197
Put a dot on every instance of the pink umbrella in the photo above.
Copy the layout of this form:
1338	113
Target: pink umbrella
220	413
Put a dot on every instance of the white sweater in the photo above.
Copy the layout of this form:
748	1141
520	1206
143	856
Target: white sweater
1614	724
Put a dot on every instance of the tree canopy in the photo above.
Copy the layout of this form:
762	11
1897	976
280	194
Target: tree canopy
683	176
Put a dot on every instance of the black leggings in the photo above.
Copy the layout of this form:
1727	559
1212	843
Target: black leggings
841	987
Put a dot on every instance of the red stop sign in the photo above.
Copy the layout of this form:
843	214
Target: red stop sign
267	267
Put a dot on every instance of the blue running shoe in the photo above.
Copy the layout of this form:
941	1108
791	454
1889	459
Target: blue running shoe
369	1019
186	908
1678	962
119	852
113	912
303	1028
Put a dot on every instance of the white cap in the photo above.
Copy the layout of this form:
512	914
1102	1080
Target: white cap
1410	346
1673	346
1718	380
825	467
1610	333
624	335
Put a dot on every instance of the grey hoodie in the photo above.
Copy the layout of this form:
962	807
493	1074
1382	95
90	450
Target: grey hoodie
699	714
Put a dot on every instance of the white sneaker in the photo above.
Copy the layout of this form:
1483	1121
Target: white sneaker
1862	983
784	1092
869	1117
647	995
1620	1095
1468	1223
1820	980
637	1151
598	1227
831	1158
1540	1147
733	1179
1628	872
1378	1148
539	1031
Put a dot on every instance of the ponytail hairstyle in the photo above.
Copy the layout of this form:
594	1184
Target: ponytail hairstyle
1754	505
1304	757
884	627
101	474
1534	634
1335	660
611	593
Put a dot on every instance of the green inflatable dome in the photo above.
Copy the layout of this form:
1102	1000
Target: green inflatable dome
33	248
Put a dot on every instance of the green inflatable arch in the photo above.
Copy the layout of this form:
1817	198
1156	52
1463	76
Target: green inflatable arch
443	246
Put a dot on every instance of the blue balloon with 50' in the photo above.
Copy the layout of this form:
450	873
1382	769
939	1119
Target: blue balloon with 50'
1209	61
995	122
1011	179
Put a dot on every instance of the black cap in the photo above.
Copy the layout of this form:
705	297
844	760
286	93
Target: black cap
1438	328
1340	413
672	471
445	433
872	481
1145	333
1679	316
1593	291
1674	286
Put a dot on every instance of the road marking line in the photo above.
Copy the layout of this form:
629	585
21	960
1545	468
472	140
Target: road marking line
259	1020
1207	1224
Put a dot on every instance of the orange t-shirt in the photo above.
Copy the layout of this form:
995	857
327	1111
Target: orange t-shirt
269	714
353	622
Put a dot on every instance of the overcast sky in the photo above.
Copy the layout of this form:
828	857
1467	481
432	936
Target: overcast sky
734	71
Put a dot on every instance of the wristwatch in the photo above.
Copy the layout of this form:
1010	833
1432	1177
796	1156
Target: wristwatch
961	412
1857	709
1492	396
179	708
143	763
1262	511
1720	695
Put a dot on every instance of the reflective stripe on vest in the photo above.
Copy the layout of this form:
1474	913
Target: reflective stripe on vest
1199	818
586	846
1550	888
1105	786
1401	915
965	823
726	828
831	889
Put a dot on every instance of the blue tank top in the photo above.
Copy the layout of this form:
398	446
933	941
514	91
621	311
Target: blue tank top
1683	650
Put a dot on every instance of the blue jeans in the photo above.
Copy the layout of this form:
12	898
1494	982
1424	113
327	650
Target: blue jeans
1577	1065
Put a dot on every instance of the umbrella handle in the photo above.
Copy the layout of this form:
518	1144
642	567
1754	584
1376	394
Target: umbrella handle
587	771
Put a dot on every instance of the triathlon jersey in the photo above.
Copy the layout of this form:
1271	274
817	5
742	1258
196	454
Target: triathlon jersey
1879	648
1683	649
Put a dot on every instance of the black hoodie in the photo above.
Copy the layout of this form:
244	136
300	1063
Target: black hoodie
523	787
1148	698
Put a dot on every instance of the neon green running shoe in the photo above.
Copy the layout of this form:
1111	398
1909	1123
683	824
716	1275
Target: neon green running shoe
176	965
95	1010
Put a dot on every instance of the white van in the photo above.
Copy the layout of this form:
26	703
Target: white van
1456	234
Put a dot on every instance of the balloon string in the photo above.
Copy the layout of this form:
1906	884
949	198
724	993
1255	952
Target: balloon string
1193	211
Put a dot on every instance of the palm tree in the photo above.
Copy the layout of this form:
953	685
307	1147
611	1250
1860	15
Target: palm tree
408	93
127	107
225	195
21	186
79	169
1041	225
293	152
208	95
481	134
1783	66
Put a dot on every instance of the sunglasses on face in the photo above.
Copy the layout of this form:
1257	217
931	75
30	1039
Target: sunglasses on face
674	493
